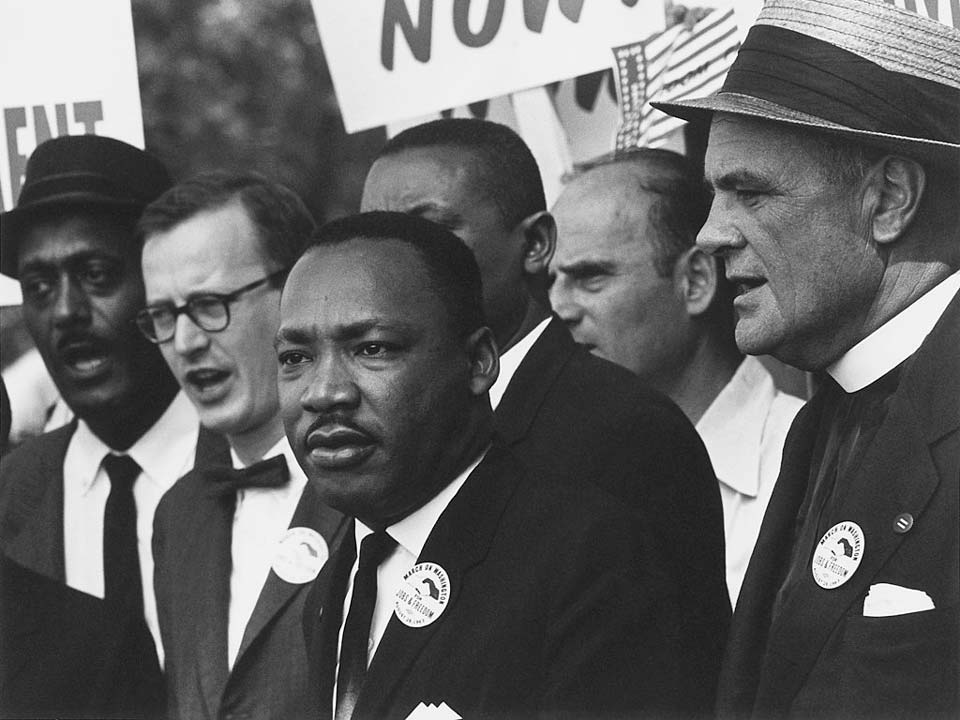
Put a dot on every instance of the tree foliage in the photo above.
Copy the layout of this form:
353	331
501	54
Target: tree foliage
244	85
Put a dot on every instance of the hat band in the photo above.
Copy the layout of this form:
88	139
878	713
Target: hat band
817	78
63	184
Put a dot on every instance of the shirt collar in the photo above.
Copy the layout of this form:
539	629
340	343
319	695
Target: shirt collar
412	532
160	452
894	341
732	427
511	359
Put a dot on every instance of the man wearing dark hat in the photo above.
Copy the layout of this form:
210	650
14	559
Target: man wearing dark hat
77	610
834	154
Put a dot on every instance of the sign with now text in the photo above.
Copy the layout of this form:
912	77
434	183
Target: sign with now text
397	59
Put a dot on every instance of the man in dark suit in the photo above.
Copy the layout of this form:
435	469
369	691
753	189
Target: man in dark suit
77	610
561	410
481	589
235	548
835	164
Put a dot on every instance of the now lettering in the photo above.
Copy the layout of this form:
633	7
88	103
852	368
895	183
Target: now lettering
419	35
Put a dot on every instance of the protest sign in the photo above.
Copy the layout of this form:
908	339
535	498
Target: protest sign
677	63
396	59
68	68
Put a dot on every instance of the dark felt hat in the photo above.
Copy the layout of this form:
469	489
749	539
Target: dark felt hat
863	69
81	171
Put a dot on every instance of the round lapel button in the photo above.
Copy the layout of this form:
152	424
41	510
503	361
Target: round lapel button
903	523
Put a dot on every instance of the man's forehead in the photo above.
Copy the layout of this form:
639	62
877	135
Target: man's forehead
57	239
217	241
438	172
359	270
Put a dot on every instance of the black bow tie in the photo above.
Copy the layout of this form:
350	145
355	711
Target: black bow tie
270	473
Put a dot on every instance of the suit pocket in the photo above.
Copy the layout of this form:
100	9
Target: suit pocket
897	666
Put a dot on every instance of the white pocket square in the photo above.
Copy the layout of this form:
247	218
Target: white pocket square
433	712
886	600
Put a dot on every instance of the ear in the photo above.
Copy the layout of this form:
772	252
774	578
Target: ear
696	274
895	186
539	241
484	360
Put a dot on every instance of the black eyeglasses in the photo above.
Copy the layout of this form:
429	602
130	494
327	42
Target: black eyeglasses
209	311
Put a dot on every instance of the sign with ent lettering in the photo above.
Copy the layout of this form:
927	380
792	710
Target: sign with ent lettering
397	59
68	68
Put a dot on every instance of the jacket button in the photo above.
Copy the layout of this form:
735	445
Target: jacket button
903	523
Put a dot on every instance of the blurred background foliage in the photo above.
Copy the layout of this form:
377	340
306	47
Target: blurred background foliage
243	85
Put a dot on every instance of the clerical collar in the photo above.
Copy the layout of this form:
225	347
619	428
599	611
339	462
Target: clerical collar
412	532
894	341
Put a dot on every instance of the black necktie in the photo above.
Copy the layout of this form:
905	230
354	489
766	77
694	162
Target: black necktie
121	562
356	632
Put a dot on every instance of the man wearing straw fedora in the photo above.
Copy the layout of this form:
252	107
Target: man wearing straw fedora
834	155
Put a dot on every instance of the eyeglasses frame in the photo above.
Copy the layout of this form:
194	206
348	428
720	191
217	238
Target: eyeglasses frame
227	299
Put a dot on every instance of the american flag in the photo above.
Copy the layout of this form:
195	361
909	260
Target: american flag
676	63
681	63
945	11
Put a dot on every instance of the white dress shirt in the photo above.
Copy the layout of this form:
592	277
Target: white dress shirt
164	453
260	521
510	361
743	430
894	341
411	535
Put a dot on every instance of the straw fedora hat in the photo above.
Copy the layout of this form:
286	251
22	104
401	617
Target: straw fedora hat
858	68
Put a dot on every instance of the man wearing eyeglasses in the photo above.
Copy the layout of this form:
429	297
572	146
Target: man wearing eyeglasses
235	548
78	622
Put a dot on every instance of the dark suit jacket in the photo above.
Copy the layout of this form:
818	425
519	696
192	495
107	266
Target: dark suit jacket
560	605
570	415
822	657
191	546
61	653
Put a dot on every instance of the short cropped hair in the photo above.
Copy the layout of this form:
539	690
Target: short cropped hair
283	222
507	167
451	268
681	203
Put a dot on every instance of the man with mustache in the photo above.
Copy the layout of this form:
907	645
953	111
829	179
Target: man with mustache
564	412
78	613
480	588
234	549
834	156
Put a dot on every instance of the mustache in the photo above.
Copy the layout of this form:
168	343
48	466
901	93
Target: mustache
72	338
341	422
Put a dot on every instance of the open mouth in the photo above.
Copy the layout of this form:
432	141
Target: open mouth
206	382
744	285
338	446
85	358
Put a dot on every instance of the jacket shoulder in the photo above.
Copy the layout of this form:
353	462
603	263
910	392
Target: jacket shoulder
23	482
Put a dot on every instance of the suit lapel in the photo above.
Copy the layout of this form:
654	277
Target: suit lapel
532	381
897	475
459	540
277	593
740	671
212	450
209	578
39	544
